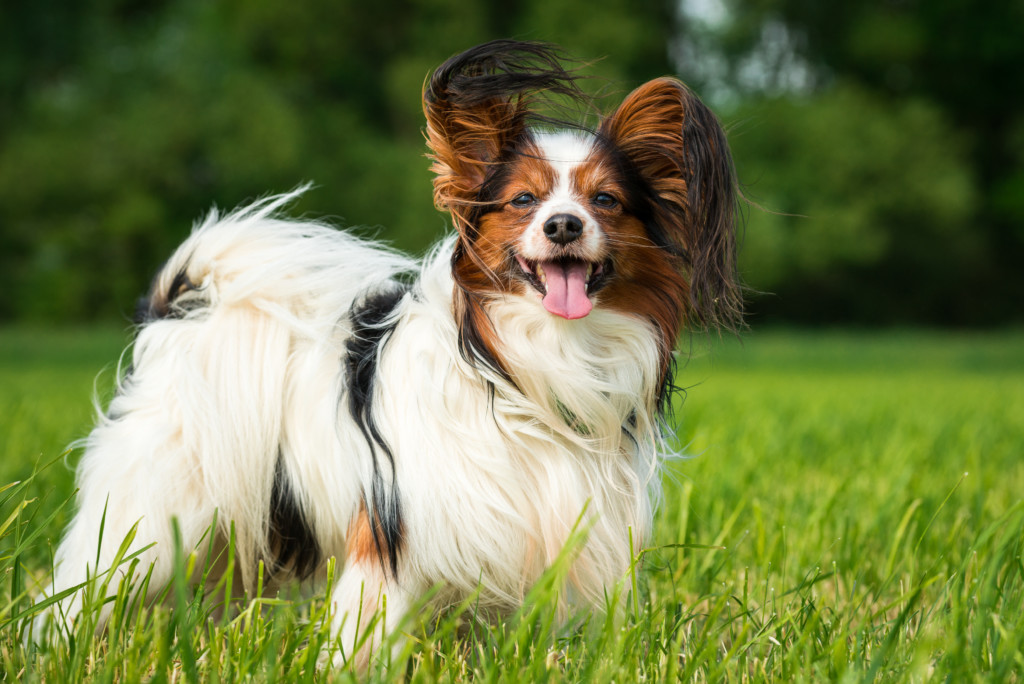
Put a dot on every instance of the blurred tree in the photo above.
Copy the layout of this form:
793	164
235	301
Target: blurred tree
860	205
964	61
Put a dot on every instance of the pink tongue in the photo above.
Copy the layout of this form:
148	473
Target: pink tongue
566	283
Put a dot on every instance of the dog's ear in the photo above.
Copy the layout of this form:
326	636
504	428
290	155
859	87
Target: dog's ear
477	107
675	143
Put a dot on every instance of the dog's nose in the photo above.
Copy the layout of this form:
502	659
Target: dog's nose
563	228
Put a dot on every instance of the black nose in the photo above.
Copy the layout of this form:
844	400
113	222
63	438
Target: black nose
563	228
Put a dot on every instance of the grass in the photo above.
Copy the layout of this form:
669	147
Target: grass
850	509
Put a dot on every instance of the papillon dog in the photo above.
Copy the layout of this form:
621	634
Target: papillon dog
443	425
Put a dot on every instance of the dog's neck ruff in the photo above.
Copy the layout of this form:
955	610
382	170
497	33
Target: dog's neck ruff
601	372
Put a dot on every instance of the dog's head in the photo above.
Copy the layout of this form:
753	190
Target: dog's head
636	215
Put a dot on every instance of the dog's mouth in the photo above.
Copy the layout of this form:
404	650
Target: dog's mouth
566	283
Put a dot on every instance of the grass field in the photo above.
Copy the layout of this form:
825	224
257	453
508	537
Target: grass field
851	508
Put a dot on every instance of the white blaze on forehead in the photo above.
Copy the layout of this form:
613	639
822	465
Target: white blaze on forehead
563	151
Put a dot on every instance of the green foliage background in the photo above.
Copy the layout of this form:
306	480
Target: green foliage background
882	144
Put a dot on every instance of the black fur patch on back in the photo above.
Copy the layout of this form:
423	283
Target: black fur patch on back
370	331
164	304
290	536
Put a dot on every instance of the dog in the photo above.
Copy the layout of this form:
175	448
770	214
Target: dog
439	425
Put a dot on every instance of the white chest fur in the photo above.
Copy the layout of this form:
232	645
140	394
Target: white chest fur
494	480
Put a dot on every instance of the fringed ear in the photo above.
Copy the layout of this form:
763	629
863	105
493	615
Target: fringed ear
477	109
675	143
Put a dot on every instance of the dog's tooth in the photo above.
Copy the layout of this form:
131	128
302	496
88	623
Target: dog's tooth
590	271
541	275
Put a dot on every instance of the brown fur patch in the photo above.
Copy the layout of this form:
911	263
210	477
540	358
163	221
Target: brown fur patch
648	281
465	144
359	544
648	284
677	145
501	228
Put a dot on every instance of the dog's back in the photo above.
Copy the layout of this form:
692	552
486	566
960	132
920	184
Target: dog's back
238	353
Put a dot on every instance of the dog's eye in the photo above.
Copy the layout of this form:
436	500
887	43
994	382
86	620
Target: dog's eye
524	199
604	199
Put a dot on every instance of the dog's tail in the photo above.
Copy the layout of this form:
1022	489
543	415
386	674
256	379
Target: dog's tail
254	257
245	306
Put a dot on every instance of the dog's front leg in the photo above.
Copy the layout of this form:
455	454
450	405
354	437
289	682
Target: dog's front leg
368	607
